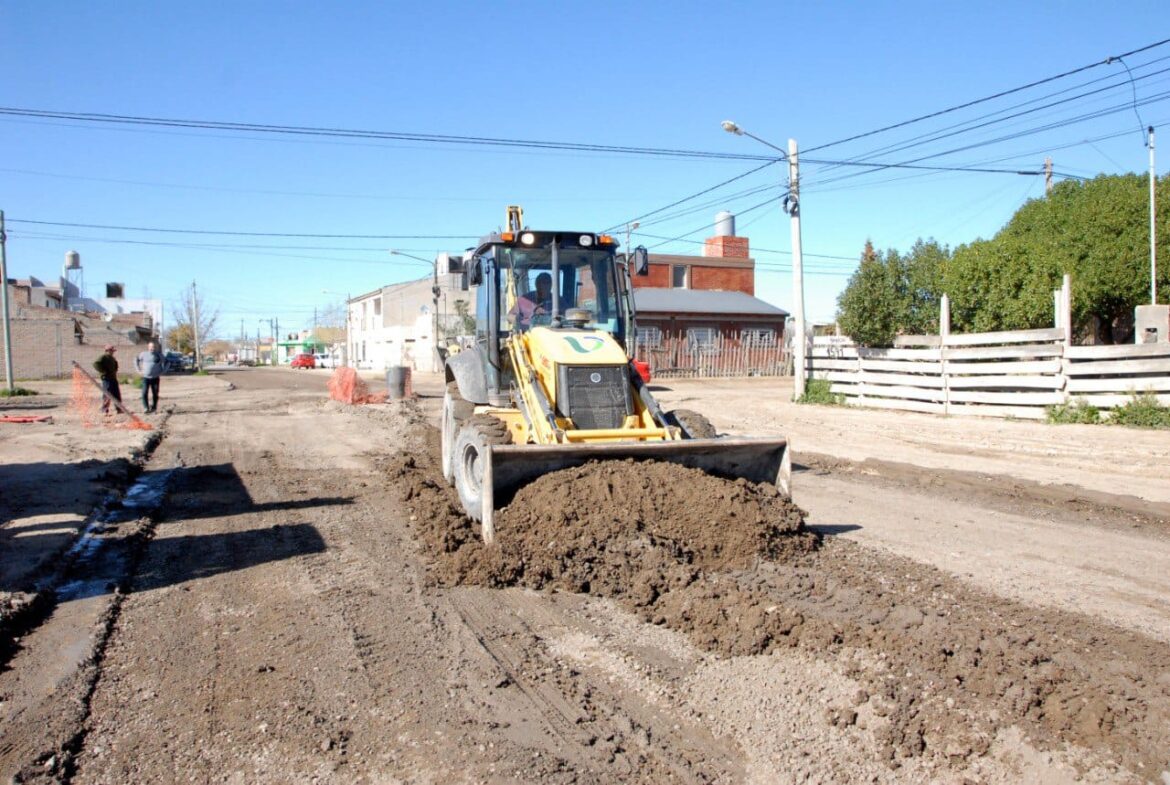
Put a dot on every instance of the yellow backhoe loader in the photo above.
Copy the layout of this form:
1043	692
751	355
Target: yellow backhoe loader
549	382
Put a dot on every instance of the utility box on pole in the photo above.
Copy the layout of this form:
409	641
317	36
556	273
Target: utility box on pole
1151	324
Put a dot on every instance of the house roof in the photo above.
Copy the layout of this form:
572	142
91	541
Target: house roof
703	301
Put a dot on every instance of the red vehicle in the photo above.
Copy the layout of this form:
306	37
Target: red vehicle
304	361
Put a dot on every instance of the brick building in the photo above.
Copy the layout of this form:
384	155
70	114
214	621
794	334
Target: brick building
54	325
46	341
698	298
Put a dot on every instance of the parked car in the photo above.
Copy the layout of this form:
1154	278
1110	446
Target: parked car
172	362
324	361
303	361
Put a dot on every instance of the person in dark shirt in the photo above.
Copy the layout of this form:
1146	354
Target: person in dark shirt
107	368
150	364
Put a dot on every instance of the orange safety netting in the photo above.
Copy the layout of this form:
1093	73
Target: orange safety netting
86	400
346	386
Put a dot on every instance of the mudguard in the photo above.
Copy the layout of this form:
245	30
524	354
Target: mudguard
467	370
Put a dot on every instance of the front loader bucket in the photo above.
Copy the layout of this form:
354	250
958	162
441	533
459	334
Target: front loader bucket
507	467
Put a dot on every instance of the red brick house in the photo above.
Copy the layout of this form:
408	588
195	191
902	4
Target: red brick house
699	297
699	316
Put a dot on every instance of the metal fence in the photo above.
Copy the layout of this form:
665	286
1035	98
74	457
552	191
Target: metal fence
717	355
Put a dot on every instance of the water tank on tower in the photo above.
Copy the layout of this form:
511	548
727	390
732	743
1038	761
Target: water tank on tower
724	224
73	282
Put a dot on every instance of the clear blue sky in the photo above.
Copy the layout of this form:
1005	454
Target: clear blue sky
659	75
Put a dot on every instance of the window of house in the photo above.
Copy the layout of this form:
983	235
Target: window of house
703	337
377	306
764	336
650	336
679	277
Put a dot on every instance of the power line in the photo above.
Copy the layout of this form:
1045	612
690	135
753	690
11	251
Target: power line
706	226
353	133
876	166
757	250
693	196
985	99
1019	134
169	230
966	125
950	132
221	250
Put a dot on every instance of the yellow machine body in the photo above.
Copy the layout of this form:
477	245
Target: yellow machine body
572	394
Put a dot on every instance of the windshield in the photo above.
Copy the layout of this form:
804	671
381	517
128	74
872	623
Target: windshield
527	296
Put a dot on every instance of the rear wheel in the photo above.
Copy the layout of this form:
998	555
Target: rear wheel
692	423
455	412
477	434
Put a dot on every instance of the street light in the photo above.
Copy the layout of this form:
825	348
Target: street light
791	205
630	230
436	362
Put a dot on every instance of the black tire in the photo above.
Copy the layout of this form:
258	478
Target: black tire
477	434
455	412
694	425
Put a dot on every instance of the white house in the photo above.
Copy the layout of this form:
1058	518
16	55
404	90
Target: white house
395	324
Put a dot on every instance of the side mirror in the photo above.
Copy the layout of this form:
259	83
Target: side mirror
641	261
475	274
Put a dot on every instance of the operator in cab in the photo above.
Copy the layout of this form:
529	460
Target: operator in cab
534	304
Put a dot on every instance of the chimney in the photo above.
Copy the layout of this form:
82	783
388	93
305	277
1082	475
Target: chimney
725	244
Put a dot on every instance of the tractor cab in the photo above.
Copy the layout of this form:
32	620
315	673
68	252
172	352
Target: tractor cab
561	281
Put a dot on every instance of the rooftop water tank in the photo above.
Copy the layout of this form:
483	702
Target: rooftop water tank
72	260
724	224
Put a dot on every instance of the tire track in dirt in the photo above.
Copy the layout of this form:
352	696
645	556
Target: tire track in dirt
615	733
497	689
64	631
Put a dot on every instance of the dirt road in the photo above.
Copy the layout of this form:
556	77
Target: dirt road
285	595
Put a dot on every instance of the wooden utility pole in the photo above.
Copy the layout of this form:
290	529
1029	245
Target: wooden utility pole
1048	175
792	203
4	293
195	326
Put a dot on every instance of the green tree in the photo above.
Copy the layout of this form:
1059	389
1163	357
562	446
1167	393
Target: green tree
923	268
868	308
892	293
1097	231
181	337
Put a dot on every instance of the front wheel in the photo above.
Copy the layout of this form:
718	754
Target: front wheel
475	437
455	411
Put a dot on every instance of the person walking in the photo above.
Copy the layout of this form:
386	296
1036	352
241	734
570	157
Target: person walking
107	368
150	365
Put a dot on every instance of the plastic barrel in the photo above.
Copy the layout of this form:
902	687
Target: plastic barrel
397	381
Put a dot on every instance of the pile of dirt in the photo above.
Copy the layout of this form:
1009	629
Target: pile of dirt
944	667
664	540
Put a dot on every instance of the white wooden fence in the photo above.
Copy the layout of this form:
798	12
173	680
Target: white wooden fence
1000	374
